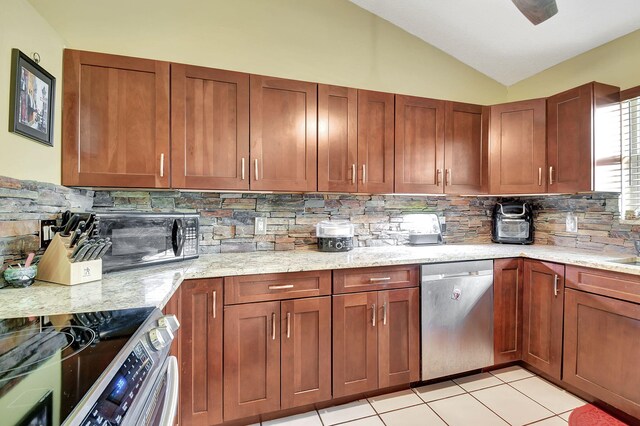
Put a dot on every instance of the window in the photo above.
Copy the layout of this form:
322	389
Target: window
631	158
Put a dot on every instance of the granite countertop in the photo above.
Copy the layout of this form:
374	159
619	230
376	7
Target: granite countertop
154	286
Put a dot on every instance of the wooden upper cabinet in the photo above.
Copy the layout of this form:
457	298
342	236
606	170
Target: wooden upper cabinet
466	149
375	141
306	351
571	133
542	316
251	359
201	352
337	138
209	128
508	277
419	145
283	134
116	121
398	337
518	148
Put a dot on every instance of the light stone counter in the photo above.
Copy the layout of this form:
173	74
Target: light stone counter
154	286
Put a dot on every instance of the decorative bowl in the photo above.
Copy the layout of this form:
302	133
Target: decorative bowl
21	277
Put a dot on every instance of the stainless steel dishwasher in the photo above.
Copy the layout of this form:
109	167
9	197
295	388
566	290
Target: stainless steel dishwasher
457	317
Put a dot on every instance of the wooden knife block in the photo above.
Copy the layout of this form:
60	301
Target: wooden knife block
56	267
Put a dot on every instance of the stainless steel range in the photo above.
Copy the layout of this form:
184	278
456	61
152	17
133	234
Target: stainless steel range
94	368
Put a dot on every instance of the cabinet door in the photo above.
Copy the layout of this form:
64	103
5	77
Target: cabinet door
283	134
602	348
355	343
517	149
508	277
209	128
419	146
466	165
337	138
116	121
375	141
306	351
251	359
201	352
542	316
398	337
571	122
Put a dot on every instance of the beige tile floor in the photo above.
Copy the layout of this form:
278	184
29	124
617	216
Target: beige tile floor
510	396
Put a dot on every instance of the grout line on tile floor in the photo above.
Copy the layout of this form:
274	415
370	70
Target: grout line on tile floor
539	420
499	416
398	409
546	408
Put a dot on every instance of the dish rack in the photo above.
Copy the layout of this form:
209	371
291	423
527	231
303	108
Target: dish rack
55	265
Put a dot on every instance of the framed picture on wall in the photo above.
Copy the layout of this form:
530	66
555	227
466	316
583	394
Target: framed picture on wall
32	99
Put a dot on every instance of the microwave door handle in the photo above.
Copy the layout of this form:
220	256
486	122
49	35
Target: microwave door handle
177	237
171	397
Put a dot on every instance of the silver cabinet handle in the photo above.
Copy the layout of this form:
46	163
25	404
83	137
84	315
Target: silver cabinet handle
161	165
288	324
550	175
555	285
280	287
438	176
539	176
273	326
364	173
242	168
375	280
447	177
373	315
353	173
256	163
215	299
384	313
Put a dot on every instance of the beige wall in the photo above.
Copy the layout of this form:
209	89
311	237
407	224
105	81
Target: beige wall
616	63
330	41
23	28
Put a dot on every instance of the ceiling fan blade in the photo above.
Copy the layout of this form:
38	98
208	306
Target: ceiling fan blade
537	11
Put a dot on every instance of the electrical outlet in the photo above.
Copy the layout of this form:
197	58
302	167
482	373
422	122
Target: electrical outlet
46	234
260	226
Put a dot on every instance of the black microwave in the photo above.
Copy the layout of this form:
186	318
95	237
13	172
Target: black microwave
140	239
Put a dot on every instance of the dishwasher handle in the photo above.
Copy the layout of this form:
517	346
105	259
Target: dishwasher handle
437	277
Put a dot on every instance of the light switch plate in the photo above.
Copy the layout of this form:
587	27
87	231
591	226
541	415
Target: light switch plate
46	234
260	226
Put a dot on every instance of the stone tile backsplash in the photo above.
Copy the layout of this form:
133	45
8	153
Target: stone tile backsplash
227	219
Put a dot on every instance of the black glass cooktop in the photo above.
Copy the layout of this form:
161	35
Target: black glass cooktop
47	364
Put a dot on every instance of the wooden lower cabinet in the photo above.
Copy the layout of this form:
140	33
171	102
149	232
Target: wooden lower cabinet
508	277
602	348
543	315
398	337
201	352
306	351
277	355
376	340
251	359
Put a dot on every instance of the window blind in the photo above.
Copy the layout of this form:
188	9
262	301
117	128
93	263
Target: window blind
630	129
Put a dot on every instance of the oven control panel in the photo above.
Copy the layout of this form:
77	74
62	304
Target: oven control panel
118	397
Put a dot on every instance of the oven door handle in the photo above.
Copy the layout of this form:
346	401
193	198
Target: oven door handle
171	398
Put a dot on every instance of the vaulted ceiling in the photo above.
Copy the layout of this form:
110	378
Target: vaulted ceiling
493	37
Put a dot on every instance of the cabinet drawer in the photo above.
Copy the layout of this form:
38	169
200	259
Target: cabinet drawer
289	285
365	279
606	283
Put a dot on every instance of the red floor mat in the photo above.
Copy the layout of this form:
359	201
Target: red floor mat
590	415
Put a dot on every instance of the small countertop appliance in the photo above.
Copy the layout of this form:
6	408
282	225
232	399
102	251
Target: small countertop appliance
512	223
424	228
335	235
